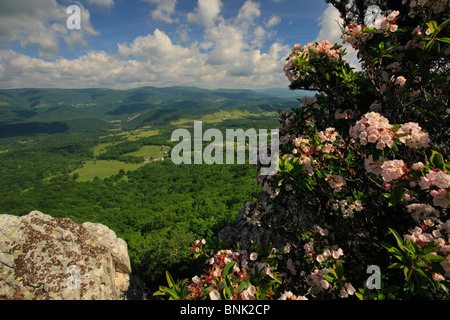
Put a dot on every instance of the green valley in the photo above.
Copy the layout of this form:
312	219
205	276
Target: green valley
104	156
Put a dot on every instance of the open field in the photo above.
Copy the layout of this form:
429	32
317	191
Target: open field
135	134
99	149
223	115
103	169
148	152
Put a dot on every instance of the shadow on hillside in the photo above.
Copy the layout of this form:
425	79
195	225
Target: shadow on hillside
21	129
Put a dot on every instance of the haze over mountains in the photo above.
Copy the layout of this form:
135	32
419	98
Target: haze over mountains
59	110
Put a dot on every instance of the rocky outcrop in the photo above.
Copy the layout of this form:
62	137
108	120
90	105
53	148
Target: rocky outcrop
42	257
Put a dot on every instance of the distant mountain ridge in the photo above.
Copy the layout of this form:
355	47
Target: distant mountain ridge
49	109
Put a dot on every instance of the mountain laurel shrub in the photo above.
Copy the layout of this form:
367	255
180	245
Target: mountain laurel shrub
372	148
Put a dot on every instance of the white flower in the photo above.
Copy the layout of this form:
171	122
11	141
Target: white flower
338	253
320	258
253	256
196	280
214	295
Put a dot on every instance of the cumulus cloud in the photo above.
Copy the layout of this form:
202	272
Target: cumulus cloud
157	47
39	24
206	12
228	43
231	54
164	10
248	12
273	21
331	22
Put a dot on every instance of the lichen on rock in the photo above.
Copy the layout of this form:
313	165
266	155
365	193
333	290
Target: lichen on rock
48	258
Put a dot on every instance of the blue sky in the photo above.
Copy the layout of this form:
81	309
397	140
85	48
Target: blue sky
130	43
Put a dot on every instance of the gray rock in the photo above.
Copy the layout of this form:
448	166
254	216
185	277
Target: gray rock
42	257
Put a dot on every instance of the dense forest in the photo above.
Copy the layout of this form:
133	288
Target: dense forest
159	208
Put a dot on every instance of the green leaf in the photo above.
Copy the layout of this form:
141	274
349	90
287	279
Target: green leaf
228	269
396	265
174	294
408	273
437	160
228	288
420	272
328	277
398	238
339	271
445	40
170	280
289	166
433	26
434	258
396	196
242	286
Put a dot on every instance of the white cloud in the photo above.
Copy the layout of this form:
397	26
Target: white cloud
230	55
273	21
205	13
248	12
164	10
40	24
259	37
228	42
331	22
153	47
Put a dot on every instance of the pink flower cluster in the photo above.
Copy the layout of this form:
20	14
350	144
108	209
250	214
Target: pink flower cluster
411	135
374	166
318	283
388	23
422	211
430	233
309	101
440	180
419	237
354	34
434	232
392	170
373	128
335	253
437	178
288	295
347	290
315	49
329	135
303	144
440	198
316	279
310	50
336	182
346	114
400	80
290	66
347	209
